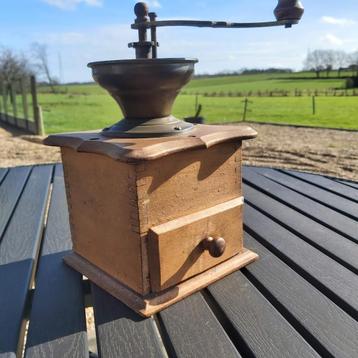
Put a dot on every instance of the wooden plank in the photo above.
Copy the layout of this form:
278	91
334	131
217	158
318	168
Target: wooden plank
121	332
333	279
193	330
335	202
3	172
57	322
261	327
323	324
18	254
10	192
327	184
326	216
349	183
336	246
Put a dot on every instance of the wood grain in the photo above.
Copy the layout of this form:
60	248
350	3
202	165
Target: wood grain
175	250
187	182
18	256
112	209
57	321
104	214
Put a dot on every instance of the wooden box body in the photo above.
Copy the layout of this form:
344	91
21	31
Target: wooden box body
140	209
113	205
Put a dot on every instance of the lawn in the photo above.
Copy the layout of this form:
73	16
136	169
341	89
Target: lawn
87	106
263	82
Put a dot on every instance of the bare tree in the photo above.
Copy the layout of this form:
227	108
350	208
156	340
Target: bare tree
42	64
341	61
314	62
13	66
328	60
353	62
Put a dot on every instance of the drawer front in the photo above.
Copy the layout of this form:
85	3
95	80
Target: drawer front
176	249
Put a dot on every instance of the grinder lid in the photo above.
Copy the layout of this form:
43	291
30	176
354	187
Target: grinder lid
133	150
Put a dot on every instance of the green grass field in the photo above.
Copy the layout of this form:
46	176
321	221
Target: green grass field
87	106
263	82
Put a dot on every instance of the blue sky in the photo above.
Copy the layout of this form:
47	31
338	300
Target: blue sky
80	31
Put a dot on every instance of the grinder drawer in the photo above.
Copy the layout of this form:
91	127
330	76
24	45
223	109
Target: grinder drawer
192	244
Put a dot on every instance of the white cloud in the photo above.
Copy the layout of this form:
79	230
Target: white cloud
155	3
72	4
333	40
337	21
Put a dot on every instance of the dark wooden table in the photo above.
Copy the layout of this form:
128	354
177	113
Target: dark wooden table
299	300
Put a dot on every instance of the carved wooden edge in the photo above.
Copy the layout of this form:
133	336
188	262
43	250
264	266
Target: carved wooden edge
148	305
144	149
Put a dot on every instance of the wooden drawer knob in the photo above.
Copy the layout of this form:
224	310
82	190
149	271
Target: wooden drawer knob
216	246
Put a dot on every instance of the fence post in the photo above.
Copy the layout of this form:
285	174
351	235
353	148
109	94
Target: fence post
40	124
4	99
196	102
13	102
246	110
313	105
1	102
24	102
36	108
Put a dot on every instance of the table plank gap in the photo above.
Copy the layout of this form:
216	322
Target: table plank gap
325	183
121	332
322	238
19	250
330	200
308	207
57	321
189	326
327	328
10	193
348	183
3	172
265	331
331	278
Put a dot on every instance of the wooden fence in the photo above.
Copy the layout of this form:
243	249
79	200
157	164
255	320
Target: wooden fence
19	106
279	93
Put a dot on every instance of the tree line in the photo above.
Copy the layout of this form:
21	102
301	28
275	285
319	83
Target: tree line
16	66
325	61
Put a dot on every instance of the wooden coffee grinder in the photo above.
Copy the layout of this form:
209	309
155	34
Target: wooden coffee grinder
155	203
